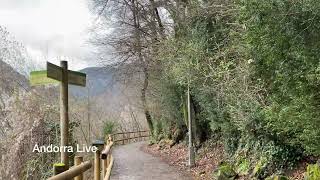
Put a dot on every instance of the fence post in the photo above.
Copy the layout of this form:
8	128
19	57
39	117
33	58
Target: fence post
58	168
109	154
122	139
97	165
105	164
77	161
114	137
135	137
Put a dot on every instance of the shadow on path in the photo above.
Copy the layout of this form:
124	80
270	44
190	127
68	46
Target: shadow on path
130	163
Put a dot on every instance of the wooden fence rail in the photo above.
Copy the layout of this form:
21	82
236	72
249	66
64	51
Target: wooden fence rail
73	172
128	136
107	158
103	157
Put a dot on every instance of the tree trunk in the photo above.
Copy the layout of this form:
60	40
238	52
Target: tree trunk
142	61
157	17
144	100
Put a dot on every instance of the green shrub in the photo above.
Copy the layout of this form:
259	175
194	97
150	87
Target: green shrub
158	131
254	77
109	127
285	57
225	171
243	167
260	166
313	172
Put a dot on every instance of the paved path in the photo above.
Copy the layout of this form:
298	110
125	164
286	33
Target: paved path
130	163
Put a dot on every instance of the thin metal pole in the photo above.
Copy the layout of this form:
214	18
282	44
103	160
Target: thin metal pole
88	115
64	117
191	162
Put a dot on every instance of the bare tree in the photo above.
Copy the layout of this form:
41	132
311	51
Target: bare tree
137	29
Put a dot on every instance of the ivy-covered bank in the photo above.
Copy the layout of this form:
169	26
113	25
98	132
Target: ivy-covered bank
254	73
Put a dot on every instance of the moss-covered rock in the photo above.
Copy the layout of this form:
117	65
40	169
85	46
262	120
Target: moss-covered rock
313	172
225	171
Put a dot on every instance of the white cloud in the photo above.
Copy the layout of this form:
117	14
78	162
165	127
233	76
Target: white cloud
58	27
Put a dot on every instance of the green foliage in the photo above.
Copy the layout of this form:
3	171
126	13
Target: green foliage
169	108
161	130
259	167
158	130
109	127
225	172
254	70
243	167
313	172
282	37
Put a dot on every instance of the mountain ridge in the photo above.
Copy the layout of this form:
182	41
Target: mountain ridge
99	80
11	78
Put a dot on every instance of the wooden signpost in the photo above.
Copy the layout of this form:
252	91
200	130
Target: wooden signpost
55	74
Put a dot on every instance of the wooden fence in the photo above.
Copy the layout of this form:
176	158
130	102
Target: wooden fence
128	137
103	159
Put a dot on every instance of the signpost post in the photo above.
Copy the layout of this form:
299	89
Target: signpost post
64	115
55	74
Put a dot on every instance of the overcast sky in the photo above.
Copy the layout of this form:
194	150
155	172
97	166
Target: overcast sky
53	27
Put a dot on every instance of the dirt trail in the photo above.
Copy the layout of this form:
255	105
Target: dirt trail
133	164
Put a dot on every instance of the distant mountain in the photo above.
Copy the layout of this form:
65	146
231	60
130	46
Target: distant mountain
114	94
99	80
